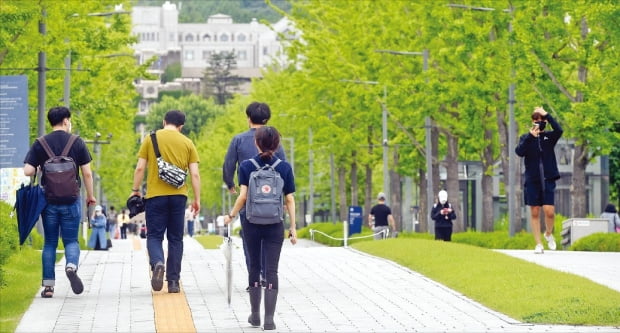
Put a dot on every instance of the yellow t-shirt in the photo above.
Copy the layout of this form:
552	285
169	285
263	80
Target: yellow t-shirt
175	148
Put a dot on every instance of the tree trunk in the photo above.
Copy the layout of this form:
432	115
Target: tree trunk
396	194
423	213
342	194
368	194
354	187
487	181
435	159
578	186
452	181
580	159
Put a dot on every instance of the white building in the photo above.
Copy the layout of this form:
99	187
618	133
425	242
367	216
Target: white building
161	35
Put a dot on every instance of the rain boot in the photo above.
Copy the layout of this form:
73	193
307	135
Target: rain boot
255	296
271	297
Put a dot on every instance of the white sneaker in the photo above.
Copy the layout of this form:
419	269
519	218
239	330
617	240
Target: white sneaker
538	249
550	242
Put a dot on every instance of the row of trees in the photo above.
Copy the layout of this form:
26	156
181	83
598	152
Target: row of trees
102	96
563	55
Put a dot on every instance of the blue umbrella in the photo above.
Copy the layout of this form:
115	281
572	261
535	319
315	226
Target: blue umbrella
29	203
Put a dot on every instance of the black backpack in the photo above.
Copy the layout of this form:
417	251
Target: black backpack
60	178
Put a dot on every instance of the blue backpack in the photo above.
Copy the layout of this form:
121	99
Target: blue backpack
264	204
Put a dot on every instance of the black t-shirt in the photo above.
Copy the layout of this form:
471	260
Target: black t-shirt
57	140
380	212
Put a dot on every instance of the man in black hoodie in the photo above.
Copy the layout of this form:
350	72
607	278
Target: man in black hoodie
541	172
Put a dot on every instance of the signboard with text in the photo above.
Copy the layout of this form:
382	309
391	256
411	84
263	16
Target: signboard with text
14	131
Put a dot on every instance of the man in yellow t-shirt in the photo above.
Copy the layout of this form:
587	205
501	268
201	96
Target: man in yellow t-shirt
165	204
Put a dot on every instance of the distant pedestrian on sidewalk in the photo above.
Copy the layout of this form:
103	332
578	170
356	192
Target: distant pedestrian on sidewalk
443	214
165	204
241	148
268	236
189	220
541	173
380	218
112	224
63	218
98	223
123	220
611	214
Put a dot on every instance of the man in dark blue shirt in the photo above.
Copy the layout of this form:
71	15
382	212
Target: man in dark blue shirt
541	172
241	148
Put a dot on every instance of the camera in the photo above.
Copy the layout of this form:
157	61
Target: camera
541	125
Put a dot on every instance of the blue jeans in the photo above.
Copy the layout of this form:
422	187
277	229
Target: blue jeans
270	238
63	220
98	235
165	214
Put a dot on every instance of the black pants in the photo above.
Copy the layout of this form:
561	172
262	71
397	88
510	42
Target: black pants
270	236
443	233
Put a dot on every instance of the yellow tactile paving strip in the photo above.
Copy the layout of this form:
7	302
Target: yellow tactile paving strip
172	314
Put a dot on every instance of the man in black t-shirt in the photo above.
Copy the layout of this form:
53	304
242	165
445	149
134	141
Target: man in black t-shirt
63	219
380	216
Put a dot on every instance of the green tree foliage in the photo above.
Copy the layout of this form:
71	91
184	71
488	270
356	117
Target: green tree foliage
219	81
464	90
172	71
102	73
198	112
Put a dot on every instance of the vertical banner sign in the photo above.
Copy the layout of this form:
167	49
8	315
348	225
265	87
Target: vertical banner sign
14	133
355	220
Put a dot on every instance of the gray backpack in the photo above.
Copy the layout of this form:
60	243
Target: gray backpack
264	204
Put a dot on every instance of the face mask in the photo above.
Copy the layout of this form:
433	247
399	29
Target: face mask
443	197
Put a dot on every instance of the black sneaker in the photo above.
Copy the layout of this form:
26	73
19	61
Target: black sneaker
157	280
173	286
76	283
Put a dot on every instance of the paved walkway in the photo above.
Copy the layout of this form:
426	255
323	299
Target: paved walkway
322	289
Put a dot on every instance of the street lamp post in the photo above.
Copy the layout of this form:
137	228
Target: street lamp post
427	126
512	129
384	141
97	142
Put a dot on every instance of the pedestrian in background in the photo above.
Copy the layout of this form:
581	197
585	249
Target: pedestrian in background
443	215
241	148
112	224
269	237
123	220
189	220
165	203
541	172
380	218
98	223
61	219
611	214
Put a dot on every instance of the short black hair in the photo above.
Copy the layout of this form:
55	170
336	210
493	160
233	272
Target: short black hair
259	113
175	117
57	114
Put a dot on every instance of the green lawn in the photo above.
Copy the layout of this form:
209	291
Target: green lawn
23	277
517	288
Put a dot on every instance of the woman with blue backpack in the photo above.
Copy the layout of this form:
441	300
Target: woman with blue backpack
267	186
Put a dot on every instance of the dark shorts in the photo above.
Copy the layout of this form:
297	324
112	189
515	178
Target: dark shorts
536	195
